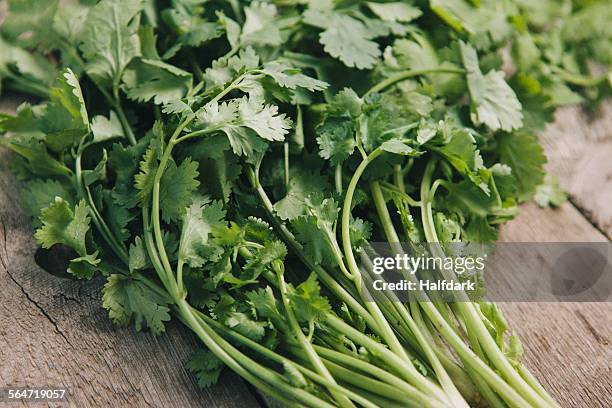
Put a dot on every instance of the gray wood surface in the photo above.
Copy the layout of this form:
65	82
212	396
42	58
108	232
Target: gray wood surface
54	331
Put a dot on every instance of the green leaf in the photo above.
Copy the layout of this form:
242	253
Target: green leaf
124	161
550	193
291	78
300	186
522	152
395	11
494	103
109	41
198	223
60	225
478	230
345	38
259	28
145	80
192	29
263	258
39	194
485	20
206	366
307	302
132	299
242	119
104	129
65	119
398	147
177	187
138	257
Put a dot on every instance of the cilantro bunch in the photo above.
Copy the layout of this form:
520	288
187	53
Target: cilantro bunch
229	163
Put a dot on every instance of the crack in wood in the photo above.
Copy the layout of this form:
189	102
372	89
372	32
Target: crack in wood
598	337
4	263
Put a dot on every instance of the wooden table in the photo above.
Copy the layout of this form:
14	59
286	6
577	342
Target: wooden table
54	331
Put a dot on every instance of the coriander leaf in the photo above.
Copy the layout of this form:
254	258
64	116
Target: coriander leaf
125	162
65	119
130	298
337	140
192	29
138	257
263	258
312	237
395	11
245	325
104	128
39	194
146	80
198	223
291	78
360	232
266	305
13	58
486	20
206	366
307	302
300	186
467	199
34	152
398	147
60	225
263	119
259	27
176	188
478	230
116	216
494	103
522	152
550	193
109	41
345	38
145	179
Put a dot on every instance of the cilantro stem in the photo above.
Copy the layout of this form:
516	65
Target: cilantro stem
467	355
264	351
400	76
467	309
338	178
246	367
314	359
23	84
407	371
286	164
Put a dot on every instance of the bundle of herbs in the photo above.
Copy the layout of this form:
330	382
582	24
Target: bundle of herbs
228	163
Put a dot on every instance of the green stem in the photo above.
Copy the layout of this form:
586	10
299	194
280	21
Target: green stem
400	76
386	330
242	364
314	359
278	358
407	371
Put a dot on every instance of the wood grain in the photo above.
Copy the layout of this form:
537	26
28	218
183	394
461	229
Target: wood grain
567	345
579	150
54	332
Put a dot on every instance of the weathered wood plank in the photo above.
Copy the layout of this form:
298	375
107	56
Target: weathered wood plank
567	345
54	332
579	148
